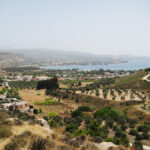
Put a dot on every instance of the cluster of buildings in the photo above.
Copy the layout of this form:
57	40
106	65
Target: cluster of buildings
95	77
23	106
27	78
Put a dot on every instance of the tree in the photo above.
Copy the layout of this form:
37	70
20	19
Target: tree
94	128
48	84
59	99
97	92
138	145
35	111
40	110
79	83
76	113
77	100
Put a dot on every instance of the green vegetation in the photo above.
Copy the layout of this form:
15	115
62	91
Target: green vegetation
47	102
48	84
13	93
3	90
52	114
94	126
23	84
105	113
133	81
20	69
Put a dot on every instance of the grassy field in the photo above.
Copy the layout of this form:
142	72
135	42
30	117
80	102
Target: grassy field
34	96
133	81
130	78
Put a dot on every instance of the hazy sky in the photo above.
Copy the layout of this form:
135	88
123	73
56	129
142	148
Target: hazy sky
98	26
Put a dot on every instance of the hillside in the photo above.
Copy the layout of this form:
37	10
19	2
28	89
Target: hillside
133	81
8	59
50	56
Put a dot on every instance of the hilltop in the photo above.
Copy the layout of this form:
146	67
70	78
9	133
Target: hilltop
63	57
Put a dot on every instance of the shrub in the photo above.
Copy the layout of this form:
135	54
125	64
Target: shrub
40	111
18	122
142	128
71	127
139	136
10	146
52	114
138	145
53	124
87	118
76	113
84	108
94	128
5	132
45	118
145	135
35	111
106	113
47	102
109	123
124	127
38	144
79	132
133	132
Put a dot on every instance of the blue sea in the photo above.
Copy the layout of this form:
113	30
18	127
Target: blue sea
135	64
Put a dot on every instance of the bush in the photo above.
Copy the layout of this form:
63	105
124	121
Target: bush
139	137
5	132
47	102
53	124
142	128
71	127
10	146
35	111
133	132
87	118
138	145
124	127
94	128
38	144
107	113
79	132
145	135
45	118
109	123
52	114
76	113
84	108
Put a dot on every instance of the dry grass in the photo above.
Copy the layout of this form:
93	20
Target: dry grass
85	83
118	97
33	96
34	129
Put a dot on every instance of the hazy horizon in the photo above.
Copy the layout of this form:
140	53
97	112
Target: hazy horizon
100	27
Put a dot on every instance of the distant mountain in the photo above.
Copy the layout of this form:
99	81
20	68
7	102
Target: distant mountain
9	59
46	56
49	57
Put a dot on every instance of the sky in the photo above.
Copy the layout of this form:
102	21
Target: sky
114	27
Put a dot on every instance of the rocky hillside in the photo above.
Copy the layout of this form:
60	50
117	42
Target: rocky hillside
8	59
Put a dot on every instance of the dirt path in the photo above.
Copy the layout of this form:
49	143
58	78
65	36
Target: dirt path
146	78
